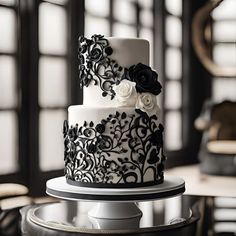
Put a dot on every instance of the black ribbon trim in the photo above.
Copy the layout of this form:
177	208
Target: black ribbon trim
111	185
135	197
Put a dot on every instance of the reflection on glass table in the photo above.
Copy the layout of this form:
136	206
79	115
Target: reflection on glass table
218	194
177	215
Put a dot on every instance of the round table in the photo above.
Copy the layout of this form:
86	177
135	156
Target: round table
108	212
71	218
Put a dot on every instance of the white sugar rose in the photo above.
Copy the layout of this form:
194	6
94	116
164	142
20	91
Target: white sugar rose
147	102
126	94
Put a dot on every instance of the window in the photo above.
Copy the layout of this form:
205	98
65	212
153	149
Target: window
224	49
173	76
55	74
134	19
9	93
38	72
174	59
52	82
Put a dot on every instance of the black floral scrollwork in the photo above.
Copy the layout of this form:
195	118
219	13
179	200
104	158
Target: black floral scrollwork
95	65
135	140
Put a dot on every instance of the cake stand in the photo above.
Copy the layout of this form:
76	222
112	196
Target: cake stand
116	207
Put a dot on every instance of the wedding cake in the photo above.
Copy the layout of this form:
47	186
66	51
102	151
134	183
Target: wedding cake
115	139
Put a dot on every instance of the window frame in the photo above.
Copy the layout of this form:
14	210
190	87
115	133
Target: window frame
27	67
15	55
194	91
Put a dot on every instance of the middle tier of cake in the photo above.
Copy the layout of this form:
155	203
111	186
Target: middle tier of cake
115	147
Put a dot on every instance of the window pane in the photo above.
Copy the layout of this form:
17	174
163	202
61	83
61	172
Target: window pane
7	2
52	29
8	142
224	31
174	7
226	226
7	30
173	128
52	82
94	25
173	31
146	18
146	3
173	60
8	95
98	8
61	2
51	147
223	89
226	10
173	97
124	11
225	54
124	30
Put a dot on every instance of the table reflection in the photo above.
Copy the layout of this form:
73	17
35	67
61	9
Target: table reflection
73	215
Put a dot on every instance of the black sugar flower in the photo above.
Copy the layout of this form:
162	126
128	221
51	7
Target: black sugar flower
144	77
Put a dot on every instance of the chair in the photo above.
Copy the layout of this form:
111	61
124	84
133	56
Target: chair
217	152
12	198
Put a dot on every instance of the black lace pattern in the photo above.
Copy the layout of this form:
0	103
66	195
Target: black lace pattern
96	66
135	140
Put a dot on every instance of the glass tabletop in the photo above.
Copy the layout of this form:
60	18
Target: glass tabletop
73	216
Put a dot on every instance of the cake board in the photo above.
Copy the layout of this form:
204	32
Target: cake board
116	207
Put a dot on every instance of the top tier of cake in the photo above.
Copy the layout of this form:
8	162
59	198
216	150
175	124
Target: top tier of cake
103	62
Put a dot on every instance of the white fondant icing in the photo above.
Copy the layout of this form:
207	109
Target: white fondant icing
129	51
126	52
79	114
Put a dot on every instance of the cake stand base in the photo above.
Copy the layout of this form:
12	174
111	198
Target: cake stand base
116	207
115	215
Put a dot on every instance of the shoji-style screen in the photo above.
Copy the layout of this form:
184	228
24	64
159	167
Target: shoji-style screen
120	18
224	49
52	81
9	92
173	72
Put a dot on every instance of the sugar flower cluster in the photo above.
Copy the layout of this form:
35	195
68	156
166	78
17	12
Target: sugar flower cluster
139	87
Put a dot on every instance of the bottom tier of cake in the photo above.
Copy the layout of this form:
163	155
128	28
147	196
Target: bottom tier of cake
113	147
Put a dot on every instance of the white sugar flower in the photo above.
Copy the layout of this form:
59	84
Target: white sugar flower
126	94
147	102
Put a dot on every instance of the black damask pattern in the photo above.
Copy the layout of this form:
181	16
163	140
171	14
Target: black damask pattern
96	66
90	150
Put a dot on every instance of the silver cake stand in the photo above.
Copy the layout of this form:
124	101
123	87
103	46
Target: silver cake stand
116	207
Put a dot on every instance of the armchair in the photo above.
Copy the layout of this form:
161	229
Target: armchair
217	152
